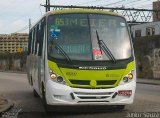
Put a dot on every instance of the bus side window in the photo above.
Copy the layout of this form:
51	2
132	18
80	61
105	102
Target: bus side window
33	41
41	37
29	43
36	39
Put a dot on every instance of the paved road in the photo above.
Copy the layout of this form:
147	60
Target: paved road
15	87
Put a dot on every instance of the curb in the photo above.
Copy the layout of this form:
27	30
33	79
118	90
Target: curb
6	106
149	83
18	72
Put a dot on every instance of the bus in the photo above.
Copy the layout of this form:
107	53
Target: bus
81	57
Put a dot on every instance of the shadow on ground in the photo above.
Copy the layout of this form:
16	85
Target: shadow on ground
74	111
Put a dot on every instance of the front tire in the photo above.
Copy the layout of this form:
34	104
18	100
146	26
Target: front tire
46	106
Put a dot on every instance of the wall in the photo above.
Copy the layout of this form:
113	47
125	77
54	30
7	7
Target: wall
156	6
147	52
143	27
13	62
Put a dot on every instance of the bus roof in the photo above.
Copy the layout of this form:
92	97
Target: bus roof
64	11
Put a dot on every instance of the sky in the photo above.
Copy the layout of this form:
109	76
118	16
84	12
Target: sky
15	14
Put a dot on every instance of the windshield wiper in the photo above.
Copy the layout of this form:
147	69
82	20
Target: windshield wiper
62	51
104	47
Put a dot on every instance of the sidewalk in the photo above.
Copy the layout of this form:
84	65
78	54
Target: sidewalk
19	72
5	104
148	81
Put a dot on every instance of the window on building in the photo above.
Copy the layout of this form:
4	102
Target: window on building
138	33
150	31
153	31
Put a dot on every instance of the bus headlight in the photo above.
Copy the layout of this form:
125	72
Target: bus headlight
126	79
53	76
56	78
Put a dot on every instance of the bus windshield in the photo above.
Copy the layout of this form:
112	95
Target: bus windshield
76	35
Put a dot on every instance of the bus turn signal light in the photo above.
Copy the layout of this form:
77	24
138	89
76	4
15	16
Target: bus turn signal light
130	76
125	93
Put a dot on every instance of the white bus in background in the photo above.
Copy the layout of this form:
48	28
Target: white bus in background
146	29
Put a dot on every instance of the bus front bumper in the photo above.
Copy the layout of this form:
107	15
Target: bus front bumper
57	94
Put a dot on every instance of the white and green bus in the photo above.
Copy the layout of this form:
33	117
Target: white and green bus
82	57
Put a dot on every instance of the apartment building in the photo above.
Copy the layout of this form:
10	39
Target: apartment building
12	43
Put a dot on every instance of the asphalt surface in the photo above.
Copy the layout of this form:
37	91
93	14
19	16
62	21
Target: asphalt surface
15	87
5	104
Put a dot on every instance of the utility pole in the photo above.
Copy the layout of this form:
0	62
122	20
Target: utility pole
47	5
29	24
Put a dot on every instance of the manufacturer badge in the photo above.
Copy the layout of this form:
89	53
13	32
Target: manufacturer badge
93	83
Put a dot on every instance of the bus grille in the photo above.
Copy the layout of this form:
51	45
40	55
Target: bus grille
93	96
81	82
99	82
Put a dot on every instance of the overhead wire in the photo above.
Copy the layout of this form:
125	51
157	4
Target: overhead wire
40	9
145	5
115	3
27	27
22	29
127	3
135	3
131	2
88	2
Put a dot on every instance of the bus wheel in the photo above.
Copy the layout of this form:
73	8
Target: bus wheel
120	107
46	107
35	93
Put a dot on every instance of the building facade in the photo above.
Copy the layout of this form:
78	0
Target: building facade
156	6
12	43
146	29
